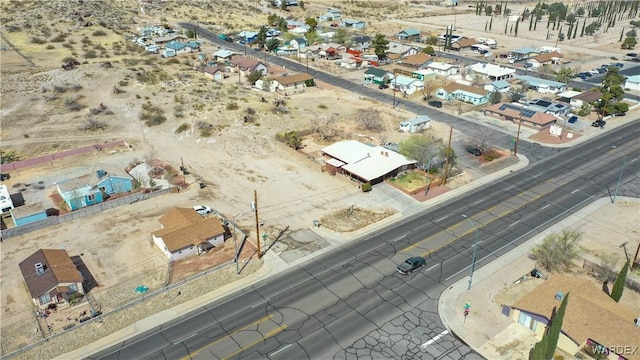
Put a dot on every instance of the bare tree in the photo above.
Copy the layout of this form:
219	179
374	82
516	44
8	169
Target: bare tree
324	126
369	119
483	139
429	88
94	125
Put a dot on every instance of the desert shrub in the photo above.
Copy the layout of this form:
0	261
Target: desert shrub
99	47
152	115
99	33
94	125
322	106
205	132
59	38
73	104
90	54
61	89
50	47
172	61
182	128
558	250
85	40
7	156
72	42
38	40
123	83
366	187
68	59
67	45
232	106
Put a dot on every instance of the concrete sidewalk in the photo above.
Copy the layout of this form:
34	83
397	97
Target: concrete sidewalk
485	329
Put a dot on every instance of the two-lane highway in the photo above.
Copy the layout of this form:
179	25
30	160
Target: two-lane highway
351	303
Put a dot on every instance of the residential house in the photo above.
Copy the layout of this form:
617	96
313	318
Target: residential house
423	74
400	50
361	42
356	24
175	48
292	24
469	94
632	83
283	83
246	65
408	34
516	113
298	43
417	61
93	188
591	316
364	163
491	71
566	96
26	214
542	86
333	14
6	203
51	277
248	37
549	58
443	69
500	86
213	73
407	85
463	43
349	63
523	53
185	232
223	55
548	107
585	97
163	40
377	76
300	30
416	124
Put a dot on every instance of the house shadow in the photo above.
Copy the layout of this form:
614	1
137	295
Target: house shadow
17	199
88	281
53	212
605	287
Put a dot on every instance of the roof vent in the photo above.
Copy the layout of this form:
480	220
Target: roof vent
559	295
39	269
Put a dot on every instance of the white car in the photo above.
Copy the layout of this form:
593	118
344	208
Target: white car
202	210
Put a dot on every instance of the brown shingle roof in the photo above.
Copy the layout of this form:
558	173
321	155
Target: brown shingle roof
245	63
293	79
212	69
544	57
184	227
590	312
472	89
417	59
58	268
588	96
464	43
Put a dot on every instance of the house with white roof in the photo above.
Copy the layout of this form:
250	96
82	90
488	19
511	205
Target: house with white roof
543	86
6	203
407	85
416	124
443	69
365	163
632	83
400	50
492	71
500	86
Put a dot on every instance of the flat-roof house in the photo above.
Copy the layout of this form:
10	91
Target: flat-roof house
566	96
516	112
28	213
551	58
356	24
442	68
632	82
491	71
500	86
365	163
591	317
185	232
51	277
333	14
6	203
95	187
282	83
408	34
585	97
466	93
543	86
400	50
417	61
223	55
416	124
525	52
248	36
407	85
423	74
549	107
377	76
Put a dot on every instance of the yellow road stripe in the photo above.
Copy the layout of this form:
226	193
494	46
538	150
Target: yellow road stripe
269	334
195	353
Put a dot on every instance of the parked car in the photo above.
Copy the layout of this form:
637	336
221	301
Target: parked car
383	86
411	264
503	56
599	123
474	151
435	103
632	55
583	75
4	177
527	65
572	119
618	65
202	210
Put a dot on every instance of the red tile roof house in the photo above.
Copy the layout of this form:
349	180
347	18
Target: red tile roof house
246	65
51	277
185	232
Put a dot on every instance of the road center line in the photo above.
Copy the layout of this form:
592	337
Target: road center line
277	351
442	218
434	266
544	207
575	191
435	338
514	223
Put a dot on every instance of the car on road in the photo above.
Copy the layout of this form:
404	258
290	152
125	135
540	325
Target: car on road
202	210
572	119
599	123
411	264
583	75
474	151
383	86
435	103
618	65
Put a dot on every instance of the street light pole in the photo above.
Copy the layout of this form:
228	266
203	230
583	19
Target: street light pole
475	249
624	163
515	146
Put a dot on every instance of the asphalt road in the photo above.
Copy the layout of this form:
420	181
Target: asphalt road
350	302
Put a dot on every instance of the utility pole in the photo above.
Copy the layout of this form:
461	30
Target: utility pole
255	205
184	171
446	160
634	263
515	146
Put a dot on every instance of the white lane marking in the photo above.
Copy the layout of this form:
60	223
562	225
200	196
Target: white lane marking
544	207
277	351
575	191
513	223
477	202
442	218
188	337
435	338
433	267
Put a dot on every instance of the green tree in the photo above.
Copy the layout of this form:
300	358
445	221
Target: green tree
571	18
272	19
554	331
497	10
611	79
312	22
380	46
557	250
629	43
421	148
283	5
292	139
488	10
262	36
495	97
432	40
254	76
580	11
429	50
272	44
301	3
190	34
341	36
618	286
